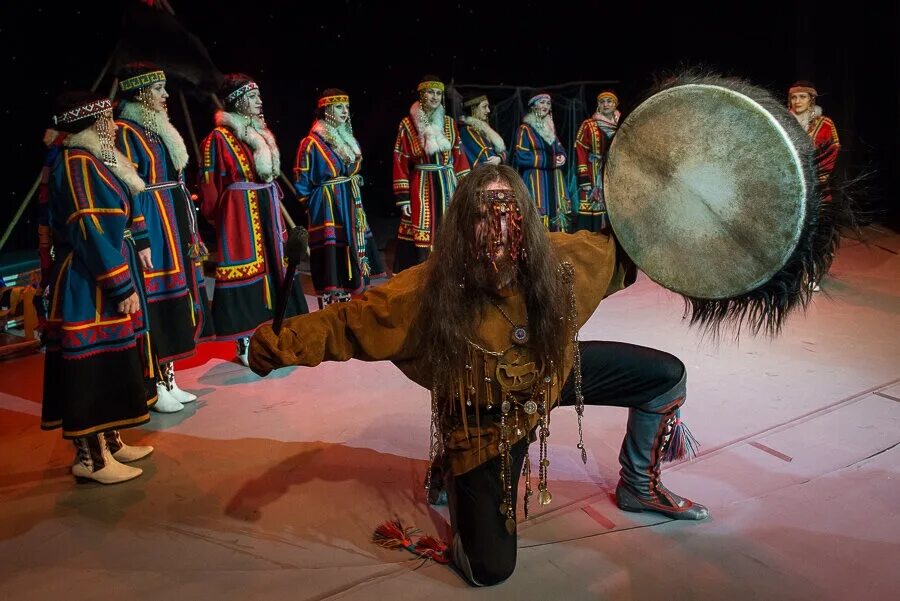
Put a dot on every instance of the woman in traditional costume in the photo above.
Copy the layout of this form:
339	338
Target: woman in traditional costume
240	196
428	162
343	255
99	367
176	295
539	157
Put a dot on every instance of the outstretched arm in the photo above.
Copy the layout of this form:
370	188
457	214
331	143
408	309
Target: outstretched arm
374	327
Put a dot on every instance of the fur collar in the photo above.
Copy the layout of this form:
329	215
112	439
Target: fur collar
604	121
544	127
89	140
808	117
167	133
253	132
431	131
340	139
485	129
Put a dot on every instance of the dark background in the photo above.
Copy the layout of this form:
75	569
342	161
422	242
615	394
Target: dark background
377	51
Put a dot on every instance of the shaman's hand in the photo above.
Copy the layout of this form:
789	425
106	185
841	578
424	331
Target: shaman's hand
269	351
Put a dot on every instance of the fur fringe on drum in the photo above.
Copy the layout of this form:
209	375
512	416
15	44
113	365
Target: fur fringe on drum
766	308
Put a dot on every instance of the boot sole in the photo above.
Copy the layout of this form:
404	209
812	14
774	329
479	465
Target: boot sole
86	480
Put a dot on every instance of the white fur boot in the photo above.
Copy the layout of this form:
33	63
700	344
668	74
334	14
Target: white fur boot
180	395
243	350
165	402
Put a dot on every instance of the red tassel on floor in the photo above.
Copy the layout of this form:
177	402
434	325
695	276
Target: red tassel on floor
432	548
392	535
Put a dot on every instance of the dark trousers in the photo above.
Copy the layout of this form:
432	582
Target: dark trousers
613	373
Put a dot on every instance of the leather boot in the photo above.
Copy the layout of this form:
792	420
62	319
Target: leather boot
93	461
182	396
122	452
655	434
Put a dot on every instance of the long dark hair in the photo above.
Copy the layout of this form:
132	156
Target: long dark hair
452	302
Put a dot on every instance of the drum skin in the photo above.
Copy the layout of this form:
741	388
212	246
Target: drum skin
705	191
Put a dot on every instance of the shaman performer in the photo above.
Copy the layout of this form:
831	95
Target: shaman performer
99	368
539	157
511	299
428	162
240	196
591	145
823	133
173	277
479	140
343	255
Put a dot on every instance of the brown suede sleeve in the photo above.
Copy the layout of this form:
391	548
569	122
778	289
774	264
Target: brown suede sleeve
373	327
599	272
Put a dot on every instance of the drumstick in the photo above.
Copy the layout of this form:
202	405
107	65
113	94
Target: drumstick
296	249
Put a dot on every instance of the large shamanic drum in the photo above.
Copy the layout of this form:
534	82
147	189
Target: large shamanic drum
711	189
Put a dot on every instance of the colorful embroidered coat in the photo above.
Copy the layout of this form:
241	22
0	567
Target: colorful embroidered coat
250	233
343	255
175	290
427	184
477	146
591	144
825	139
535	160
94	375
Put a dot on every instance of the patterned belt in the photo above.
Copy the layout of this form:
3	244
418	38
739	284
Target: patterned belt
362	224
272	186
197	248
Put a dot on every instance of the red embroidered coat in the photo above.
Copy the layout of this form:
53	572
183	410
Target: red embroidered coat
426	182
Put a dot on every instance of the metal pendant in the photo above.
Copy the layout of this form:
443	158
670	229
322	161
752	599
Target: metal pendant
544	497
511	525
504	508
519	335
505	406
530	407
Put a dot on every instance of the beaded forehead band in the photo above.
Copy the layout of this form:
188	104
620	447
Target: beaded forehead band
811	91
142	80
538	97
609	95
241	91
84	111
504	195
340	99
475	101
430	85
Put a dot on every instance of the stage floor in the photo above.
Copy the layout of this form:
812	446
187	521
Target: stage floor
270	488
